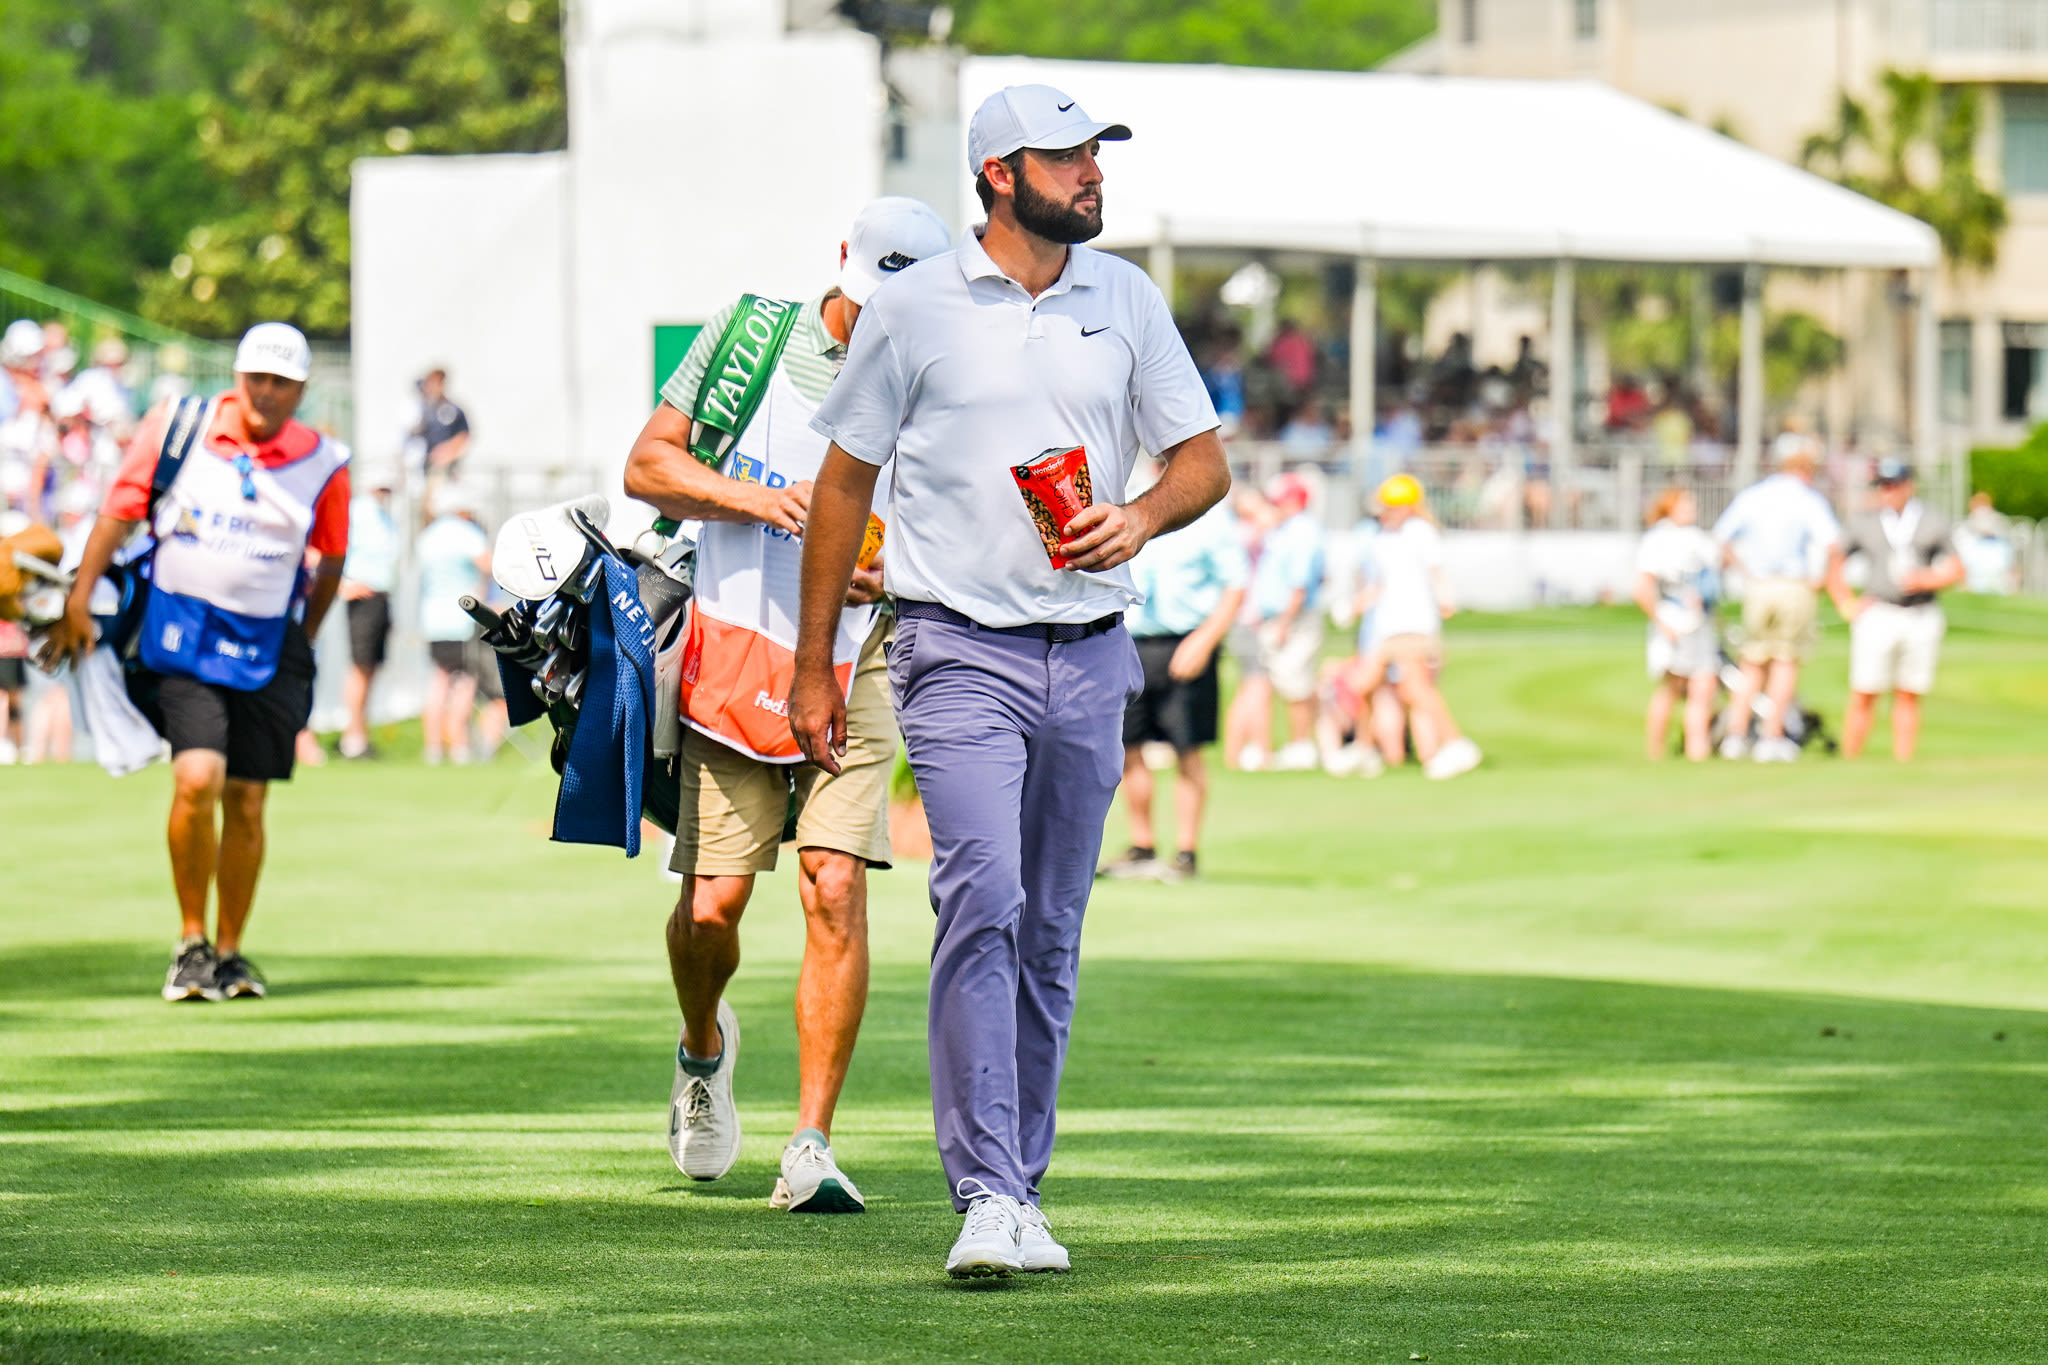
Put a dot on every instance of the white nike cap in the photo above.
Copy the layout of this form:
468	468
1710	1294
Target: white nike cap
275	348
890	233
1036	116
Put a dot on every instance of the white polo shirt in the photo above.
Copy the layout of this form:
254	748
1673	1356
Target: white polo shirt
957	373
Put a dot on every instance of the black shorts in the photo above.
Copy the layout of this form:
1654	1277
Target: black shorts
258	731
450	656
13	674
369	630
483	666
1182	714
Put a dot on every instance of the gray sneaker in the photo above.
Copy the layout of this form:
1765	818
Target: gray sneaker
192	973
1132	865
236	978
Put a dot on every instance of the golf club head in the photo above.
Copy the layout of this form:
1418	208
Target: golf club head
548	620
539	551
573	693
575	632
585	584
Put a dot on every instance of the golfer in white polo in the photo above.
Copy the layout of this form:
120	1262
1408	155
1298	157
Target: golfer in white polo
1011	675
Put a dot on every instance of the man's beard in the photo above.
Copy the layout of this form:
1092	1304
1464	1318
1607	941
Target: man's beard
1054	221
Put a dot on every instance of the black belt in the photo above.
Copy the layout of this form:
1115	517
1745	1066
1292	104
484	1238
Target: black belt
1058	634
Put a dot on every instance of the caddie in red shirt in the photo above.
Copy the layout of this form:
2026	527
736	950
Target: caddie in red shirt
235	599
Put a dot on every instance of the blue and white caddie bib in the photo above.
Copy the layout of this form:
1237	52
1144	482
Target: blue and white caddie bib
231	544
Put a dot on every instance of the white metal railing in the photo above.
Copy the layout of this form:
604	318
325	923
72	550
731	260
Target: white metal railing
1988	27
1512	486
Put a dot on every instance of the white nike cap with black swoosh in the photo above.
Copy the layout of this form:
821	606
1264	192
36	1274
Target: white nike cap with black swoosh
889	234
1036	116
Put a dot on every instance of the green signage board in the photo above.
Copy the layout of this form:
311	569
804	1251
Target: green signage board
671	343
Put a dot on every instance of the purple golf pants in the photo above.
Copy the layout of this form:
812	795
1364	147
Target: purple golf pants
1017	744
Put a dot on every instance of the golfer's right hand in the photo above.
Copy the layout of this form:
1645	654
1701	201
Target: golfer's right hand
785	508
817	717
70	638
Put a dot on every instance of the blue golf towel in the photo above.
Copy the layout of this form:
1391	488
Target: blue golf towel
599	802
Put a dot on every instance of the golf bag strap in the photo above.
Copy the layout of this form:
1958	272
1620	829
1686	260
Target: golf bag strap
736	379
186	428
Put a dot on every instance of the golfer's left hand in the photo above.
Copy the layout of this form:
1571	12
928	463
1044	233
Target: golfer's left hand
817	717
1104	536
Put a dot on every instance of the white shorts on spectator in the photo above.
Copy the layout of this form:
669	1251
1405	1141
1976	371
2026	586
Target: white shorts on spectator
1895	648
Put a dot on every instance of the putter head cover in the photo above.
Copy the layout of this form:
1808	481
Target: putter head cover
539	551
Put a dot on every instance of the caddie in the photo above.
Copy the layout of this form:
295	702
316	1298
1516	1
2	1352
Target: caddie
236	598
1013	383
731	445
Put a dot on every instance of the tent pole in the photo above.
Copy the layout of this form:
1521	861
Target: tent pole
1365	329
1749	382
1159	260
1564	387
1927	393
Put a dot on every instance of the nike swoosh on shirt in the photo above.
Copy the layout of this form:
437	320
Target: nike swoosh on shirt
1068	105
1097	332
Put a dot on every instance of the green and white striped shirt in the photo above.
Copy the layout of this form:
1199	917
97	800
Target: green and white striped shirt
812	359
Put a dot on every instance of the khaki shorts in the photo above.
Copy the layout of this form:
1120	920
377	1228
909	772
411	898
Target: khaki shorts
1894	648
741	804
1778	621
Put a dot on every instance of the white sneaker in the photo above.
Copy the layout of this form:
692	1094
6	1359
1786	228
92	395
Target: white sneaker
1458	756
811	1181
1735	746
8	753
703	1121
987	1244
1297	757
1251	758
1779	750
1036	1249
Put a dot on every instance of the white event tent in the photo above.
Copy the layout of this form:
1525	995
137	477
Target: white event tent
1393	167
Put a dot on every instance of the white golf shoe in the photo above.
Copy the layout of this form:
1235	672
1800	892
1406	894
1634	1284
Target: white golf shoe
703	1121
1457	757
987	1244
811	1181
1036	1249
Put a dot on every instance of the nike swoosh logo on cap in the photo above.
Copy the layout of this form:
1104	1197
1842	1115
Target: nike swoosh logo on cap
1068	105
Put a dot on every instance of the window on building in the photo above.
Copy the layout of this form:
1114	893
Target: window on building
2026	377
1955	371
1586	19
2026	139
1468	21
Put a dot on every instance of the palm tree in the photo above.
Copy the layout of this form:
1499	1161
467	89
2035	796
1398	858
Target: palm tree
1924	125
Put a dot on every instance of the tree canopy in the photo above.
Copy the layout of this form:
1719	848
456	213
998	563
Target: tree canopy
335	80
1919	155
1339	35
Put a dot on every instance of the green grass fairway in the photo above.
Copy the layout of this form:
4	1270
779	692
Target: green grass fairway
1577	1058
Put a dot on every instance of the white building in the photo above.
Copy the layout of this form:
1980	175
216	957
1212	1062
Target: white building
1771	72
715	147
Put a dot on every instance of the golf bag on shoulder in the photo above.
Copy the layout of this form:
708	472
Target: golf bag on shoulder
586	606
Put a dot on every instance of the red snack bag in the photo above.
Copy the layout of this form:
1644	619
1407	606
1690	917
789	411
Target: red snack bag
1055	488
